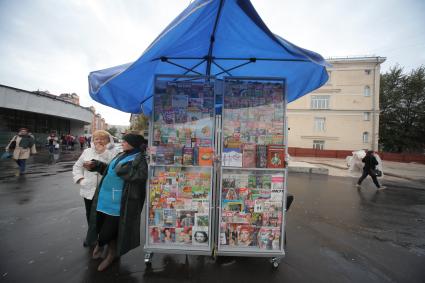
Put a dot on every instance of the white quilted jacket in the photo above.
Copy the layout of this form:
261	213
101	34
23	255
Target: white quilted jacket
91	179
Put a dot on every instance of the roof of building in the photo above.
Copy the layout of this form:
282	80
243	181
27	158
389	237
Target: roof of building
45	94
364	58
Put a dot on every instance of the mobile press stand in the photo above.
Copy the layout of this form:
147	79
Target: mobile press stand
217	181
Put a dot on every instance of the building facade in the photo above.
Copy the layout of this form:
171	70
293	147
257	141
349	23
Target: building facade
344	113
41	112
97	123
70	97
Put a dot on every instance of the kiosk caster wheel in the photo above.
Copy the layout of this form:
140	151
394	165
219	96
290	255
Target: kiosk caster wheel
148	258
275	263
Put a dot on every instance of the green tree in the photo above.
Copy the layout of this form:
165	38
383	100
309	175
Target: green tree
113	130
402	103
141	123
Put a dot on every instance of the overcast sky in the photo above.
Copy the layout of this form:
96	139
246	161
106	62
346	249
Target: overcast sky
54	44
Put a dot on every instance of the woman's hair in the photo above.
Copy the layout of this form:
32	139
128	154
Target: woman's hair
101	134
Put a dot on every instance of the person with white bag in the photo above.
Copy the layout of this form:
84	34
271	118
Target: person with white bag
370	169
102	149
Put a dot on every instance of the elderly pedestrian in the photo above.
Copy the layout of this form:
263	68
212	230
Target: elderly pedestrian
118	201
22	145
87	180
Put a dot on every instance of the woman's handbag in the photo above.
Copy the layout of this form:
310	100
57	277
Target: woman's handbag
376	172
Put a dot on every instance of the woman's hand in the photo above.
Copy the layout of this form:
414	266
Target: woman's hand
88	165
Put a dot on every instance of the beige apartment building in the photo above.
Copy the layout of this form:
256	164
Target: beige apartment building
344	113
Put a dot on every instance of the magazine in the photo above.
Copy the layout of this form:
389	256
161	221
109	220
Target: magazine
201	219
232	157
170	217
230	232
200	205
275	156
154	235
205	156
277	187
200	236
248	155
185	218
184	236
231	205
246	236
168	235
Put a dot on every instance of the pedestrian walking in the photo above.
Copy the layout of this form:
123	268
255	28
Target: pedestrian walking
82	141
88	139
118	201
90	180
52	142
22	145
72	141
369	168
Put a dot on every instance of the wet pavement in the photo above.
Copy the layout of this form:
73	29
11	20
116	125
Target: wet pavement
335	233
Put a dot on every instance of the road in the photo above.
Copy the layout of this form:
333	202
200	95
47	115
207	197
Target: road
335	233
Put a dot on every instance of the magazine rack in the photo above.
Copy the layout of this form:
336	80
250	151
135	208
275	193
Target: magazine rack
180	203
217	182
252	192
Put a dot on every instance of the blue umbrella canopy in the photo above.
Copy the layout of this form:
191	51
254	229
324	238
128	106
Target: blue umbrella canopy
215	38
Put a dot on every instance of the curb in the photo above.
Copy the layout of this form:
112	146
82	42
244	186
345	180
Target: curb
385	173
326	164
404	177
309	170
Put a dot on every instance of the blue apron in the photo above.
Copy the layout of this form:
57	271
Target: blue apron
109	200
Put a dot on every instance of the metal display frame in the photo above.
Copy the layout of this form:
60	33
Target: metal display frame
276	255
217	169
150	248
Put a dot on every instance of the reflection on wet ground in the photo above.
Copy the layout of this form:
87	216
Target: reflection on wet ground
335	233
42	164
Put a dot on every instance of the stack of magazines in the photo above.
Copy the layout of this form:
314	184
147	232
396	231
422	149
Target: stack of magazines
183	123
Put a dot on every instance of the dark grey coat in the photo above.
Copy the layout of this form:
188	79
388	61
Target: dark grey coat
135	174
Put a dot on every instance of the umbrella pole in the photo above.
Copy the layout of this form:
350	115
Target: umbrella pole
212	39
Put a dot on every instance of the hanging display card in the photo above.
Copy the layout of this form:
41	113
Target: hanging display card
253	124
251	212
253	162
179	202
183	122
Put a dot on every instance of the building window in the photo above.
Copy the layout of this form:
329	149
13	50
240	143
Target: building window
319	124
320	101
329	78
366	91
365	137
366	116
320	145
367	71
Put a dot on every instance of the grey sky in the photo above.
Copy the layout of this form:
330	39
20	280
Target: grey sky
54	44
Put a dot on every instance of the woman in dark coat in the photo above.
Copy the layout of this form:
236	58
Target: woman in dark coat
369	168
118	201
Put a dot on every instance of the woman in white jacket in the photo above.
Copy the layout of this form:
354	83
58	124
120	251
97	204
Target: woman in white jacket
88	181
